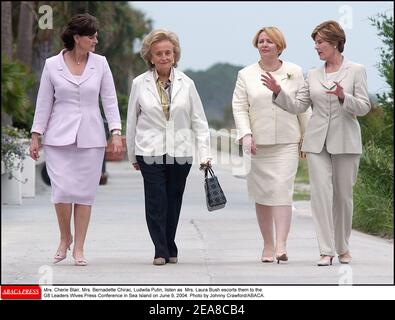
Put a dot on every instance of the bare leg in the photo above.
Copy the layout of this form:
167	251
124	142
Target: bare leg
82	214
282	221
63	212
265	221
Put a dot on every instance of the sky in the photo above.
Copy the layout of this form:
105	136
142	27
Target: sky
213	32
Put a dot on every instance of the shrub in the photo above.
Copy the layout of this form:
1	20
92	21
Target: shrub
374	191
15	83
13	148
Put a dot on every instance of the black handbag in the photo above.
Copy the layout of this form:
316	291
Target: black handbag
215	197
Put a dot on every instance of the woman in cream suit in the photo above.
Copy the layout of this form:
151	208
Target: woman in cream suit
338	93
272	136
68	116
165	117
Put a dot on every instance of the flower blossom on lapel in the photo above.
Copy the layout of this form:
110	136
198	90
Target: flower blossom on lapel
289	76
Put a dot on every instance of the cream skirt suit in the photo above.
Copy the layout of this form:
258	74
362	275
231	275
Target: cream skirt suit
277	133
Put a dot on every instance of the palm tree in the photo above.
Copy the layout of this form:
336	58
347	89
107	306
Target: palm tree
24	46
6	45
6	29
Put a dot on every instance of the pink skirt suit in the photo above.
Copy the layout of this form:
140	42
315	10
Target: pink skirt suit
68	116
74	172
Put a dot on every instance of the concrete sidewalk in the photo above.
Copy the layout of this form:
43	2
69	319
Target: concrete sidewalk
220	247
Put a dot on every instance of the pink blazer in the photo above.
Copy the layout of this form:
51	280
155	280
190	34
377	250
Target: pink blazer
67	110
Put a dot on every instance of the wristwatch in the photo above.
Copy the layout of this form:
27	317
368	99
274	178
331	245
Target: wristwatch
116	132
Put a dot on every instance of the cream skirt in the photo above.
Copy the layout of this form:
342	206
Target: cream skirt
271	178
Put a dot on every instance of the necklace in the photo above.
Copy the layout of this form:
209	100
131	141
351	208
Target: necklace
74	56
278	66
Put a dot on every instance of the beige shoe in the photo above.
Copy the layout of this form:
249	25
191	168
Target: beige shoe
325	261
267	259
60	255
173	260
159	261
81	262
345	258
282	257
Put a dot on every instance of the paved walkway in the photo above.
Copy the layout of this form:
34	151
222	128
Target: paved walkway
221	247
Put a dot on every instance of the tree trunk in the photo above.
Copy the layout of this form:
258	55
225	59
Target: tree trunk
6	29
6	44
42	49
24	48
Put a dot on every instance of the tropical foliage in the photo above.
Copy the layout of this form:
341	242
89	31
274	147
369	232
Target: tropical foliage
15	83
121	28
374	191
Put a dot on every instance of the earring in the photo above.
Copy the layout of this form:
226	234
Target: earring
335	47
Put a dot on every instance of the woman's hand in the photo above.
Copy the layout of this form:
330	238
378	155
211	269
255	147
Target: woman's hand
34	147
302	155
271	83
339	92
136	166
249	145
205	164
116	142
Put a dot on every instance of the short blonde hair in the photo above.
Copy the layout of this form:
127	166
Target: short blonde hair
155	36
332	32
273	33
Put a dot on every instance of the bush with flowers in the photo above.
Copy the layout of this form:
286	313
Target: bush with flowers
13	149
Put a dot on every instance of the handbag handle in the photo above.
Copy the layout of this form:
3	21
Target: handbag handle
208	169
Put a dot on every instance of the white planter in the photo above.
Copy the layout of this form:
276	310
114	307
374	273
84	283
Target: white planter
11	189
29	175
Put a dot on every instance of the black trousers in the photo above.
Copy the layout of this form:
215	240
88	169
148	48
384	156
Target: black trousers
164	184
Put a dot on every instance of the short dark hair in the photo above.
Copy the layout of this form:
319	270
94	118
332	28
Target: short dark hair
81	24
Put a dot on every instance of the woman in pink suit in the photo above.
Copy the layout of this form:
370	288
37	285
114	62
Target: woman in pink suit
68	116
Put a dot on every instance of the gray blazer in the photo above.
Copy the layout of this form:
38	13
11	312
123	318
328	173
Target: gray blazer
332	123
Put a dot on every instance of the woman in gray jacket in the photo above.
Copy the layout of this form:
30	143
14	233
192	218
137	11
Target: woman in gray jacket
338	94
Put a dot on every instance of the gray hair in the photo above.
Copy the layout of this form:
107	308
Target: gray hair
155	36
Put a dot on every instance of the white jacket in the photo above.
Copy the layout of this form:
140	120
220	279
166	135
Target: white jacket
255	113
148	132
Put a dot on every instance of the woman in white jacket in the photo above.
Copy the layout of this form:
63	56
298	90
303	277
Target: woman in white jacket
272	137
165	118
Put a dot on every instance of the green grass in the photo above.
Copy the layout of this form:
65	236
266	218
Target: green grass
302	175
374	192
301	196
301	180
